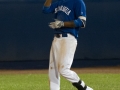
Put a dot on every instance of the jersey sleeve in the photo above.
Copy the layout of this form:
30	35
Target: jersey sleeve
80	8
50	9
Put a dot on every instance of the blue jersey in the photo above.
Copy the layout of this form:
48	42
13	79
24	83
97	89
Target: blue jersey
68	10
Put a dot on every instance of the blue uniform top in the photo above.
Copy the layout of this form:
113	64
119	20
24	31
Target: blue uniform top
67	10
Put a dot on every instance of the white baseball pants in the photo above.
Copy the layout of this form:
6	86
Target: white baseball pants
61	58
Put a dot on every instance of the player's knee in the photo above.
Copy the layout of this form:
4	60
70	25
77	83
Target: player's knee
64	72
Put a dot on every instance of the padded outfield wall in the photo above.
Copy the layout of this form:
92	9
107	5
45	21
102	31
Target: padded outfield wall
25	35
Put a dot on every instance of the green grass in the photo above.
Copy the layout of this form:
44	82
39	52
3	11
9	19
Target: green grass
41	82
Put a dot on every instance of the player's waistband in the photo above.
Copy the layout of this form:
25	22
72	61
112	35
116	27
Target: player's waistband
58	35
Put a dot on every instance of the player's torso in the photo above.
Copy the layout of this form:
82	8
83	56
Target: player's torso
65	11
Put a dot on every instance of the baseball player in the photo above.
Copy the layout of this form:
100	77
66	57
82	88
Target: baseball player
69	18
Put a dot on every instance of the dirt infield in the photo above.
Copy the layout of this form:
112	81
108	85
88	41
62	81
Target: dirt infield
78	70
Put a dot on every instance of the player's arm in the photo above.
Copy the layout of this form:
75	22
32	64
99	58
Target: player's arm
70	24
80	12
46	6
80	22
47	3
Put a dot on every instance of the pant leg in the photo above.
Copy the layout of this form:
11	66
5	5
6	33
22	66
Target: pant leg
53	68
67	51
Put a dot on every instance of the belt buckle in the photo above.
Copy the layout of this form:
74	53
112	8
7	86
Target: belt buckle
64	35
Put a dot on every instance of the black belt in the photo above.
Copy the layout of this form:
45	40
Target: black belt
63	35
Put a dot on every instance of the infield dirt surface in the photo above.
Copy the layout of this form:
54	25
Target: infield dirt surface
115	69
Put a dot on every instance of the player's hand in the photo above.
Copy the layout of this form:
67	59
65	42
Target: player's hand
56	24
